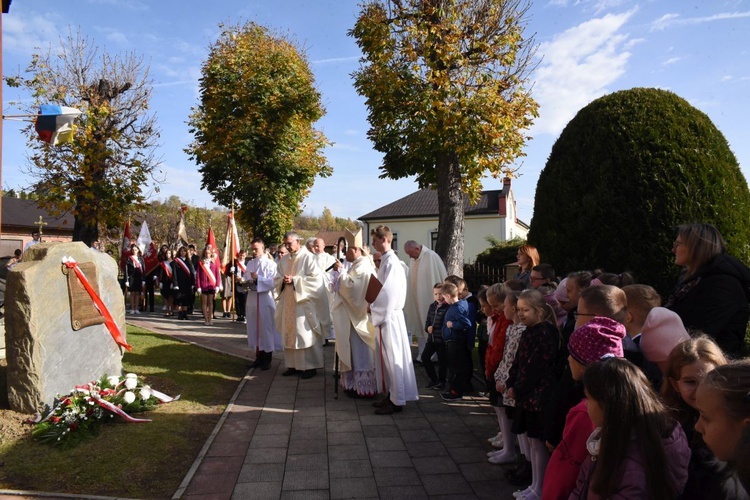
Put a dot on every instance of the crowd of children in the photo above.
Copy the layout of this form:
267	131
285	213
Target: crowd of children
599	392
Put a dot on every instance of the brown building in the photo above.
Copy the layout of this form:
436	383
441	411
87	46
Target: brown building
21	217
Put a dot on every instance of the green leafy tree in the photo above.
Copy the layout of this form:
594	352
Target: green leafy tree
625	171
445	83
254	139
100	175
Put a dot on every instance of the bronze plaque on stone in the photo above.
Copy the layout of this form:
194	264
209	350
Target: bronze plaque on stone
83	312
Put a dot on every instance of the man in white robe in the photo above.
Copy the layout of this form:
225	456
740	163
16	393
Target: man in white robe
355	335
393	362
302	302
325	263
258	279
426	268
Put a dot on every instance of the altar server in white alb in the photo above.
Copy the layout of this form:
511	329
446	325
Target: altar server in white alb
425	269
355	335
393	362
301	306
258	279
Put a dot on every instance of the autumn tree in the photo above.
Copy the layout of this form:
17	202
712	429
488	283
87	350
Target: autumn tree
100	175
446	86
254	139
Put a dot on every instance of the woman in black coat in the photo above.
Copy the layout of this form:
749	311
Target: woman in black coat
713	293
135	277
183	280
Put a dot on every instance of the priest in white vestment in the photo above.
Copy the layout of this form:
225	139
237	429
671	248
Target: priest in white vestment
325	263
355	335
426	268
302	302
260	307
393	361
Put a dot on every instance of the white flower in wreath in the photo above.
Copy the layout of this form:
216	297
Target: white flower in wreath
131	382
145	392
128	397
113	380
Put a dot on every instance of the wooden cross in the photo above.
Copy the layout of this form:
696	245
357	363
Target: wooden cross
41	224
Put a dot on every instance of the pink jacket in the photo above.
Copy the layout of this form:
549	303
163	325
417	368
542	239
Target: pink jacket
565	462
202	280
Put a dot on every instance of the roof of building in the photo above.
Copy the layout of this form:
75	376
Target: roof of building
22	214
424	203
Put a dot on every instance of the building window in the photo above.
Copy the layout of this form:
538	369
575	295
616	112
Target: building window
394	243
433	239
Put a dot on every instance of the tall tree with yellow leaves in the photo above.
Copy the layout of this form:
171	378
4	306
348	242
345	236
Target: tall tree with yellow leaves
254	139
446	83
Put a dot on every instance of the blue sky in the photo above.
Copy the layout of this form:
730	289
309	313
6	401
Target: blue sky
587	48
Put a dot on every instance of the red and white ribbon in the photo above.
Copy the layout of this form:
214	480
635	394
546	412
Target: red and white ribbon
109	322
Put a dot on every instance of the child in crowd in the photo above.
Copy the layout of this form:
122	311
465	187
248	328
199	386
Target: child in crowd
641	299
435	343
619	280
492	305
456	329
574	285
521	474
662	331
687	366
483	332
637	450
724	406
473	307
531	380
599	334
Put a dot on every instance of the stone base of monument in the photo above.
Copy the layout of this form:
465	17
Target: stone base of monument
45	355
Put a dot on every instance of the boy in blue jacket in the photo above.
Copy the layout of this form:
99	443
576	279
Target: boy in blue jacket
456	328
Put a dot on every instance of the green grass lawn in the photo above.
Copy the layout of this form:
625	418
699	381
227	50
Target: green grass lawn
136	460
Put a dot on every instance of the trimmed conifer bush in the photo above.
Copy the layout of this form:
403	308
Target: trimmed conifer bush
627	170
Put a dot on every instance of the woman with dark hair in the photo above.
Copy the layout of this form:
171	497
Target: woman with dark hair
714	289
135	279
528	258
183	281
636	450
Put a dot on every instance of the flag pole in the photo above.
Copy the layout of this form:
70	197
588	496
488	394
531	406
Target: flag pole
234	263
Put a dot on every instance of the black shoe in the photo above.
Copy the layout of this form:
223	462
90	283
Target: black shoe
383	402
431	384
307	374
389	409
265	366
450	396
254	364
290	372
440	386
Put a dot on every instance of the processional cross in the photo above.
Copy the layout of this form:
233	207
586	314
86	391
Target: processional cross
41	224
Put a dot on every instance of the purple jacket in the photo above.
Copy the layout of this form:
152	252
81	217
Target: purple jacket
633	482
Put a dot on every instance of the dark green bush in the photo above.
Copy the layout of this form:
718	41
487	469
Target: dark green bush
501	253
625	171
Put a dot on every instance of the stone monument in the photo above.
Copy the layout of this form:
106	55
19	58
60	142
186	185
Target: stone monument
46	355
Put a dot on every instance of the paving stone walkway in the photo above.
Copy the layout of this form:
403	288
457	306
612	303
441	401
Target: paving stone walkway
283	437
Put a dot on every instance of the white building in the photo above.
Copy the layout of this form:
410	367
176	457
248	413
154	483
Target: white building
415	217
